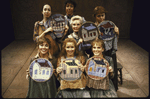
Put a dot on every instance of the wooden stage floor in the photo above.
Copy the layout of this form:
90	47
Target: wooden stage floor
15	59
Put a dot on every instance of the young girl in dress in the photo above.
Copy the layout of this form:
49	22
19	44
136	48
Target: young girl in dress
76	88
104	87
48	88
110	45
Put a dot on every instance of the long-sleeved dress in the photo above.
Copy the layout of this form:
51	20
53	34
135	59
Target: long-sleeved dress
45	89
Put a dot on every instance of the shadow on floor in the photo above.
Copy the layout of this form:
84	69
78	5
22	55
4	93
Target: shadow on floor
121	94
129	84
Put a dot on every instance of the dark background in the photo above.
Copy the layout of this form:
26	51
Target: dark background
131	16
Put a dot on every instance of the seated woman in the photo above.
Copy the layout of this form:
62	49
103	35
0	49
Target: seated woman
75	88
48	88
110	45
76	22
101	87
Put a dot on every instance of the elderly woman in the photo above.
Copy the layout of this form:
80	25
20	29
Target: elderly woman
75	88
76	22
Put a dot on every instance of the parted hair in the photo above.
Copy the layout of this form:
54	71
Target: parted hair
63	51
98	42
43	39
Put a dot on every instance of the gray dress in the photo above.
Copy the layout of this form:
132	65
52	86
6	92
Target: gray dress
43	89
74	93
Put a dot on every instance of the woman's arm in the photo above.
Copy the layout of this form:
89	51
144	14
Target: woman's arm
116	29
58	69
82	60
46	31
80	41
27	71
36	31
36	35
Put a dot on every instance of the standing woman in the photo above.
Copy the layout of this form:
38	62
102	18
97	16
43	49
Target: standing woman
75	88
43	29
111	45
48	88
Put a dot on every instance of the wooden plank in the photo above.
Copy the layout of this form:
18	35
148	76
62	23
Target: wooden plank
19	52
136	62
8	74
20	80
15	93
14	58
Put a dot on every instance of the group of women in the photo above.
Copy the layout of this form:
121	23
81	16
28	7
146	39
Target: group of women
54	50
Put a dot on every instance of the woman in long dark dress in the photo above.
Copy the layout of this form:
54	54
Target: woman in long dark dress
48	88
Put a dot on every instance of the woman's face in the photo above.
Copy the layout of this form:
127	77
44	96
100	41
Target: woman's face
69	9
46	11
43	48
70	49
76	25
100	17
97	50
